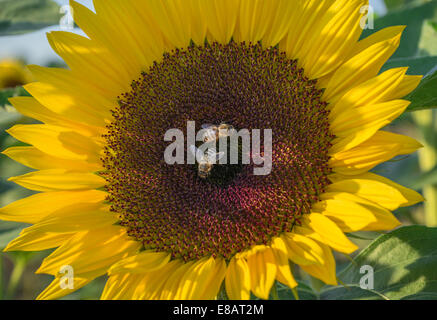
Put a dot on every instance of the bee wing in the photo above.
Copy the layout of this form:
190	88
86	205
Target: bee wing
212	155
219	156
207	125
209	132
196	152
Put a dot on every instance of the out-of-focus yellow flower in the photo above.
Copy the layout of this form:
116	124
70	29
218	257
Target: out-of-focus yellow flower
13	73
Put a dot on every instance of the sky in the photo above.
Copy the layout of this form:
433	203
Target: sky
34	48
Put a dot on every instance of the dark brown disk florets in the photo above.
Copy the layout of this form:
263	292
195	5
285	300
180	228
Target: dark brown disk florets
169	207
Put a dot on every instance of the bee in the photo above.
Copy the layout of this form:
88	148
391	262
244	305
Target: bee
206	160
214	132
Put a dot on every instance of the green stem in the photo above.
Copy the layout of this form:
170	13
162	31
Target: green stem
295	293
17	272
274	292
222	293
1	275
428	160
316	284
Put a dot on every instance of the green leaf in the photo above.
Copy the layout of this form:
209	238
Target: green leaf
428	39
5	94
27	15
404	263
304	291
413	16
368	236
417	65
424	97
8	114
352	292
391	4
395	4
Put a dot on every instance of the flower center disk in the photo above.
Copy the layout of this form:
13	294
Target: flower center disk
169	207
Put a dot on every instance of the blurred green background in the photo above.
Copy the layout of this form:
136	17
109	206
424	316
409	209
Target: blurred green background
18	18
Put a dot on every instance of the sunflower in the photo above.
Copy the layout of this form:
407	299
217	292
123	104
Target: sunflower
110	204
13	73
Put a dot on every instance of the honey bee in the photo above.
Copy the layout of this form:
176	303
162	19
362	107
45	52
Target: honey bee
206	160
214	132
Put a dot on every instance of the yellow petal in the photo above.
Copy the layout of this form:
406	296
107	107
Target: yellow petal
262	267
330	233
151	286
390	85
252	12
36	159
368	187
142	286
64	103
172	288
382	147
326	271
101	29
332	38
145	261
303	250
198	22
306	231
58	142
238	280
141	36
31	108
286	12
352	213
173	19
91	251
215	281
92	100
221	17
122	286
59	180
408	84
280	252
325	268
36	207
85	56
365	63
358	125
411	196
55	291
79	217
308	16
193	284
31	240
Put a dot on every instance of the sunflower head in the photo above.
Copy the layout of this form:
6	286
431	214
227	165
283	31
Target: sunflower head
113	205
172	208
13	73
